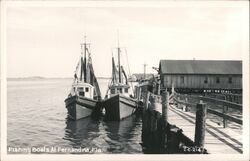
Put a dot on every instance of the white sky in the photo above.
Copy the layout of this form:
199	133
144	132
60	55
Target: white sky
45	41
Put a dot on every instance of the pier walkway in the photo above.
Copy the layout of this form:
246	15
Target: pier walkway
218	140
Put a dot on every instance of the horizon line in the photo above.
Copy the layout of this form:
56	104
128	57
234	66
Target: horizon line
43	77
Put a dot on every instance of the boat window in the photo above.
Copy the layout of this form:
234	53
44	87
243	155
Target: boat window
80	88
120	90
126	90
112	91
87	89
81	93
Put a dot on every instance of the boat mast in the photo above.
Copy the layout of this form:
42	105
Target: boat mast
81	62
119	65
85	61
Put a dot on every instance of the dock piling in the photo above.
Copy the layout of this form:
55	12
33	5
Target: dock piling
185	107
145	127
165	104
178	104
146	100
225	109
200	124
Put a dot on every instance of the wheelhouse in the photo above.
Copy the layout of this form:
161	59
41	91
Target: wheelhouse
119	89
84	90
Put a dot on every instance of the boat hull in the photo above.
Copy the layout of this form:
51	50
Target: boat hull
80	107
119	107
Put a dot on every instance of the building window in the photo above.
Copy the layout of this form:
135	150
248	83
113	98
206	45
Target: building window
217	79
206	80
182	79
230	80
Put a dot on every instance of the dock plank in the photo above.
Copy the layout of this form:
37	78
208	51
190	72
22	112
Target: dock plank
218	140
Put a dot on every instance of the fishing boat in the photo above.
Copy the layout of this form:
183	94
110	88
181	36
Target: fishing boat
118	102
147	85
85	93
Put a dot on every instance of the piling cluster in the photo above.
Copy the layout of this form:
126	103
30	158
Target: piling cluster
159	136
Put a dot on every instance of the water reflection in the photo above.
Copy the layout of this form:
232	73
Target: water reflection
109	136
76	131
124	136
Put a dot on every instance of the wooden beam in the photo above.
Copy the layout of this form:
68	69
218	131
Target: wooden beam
226	116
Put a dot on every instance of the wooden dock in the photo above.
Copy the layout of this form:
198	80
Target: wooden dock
218	140
184	124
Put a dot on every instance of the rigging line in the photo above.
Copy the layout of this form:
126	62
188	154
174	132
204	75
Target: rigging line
111	80
129	69
89	54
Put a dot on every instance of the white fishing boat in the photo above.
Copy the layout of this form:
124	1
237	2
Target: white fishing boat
118	102
85	92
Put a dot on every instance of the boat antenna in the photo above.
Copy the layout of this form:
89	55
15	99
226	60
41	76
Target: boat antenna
85	37
81	49
118	43
145	65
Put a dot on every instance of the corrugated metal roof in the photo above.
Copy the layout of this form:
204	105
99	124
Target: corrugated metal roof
200	67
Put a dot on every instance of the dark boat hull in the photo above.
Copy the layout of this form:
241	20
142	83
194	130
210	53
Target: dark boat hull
80	107
119	107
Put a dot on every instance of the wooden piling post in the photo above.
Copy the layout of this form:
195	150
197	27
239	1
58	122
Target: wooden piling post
172	90
139	94
145	118
159	88
225	108
200	124
185	107
178	104
146	99
165	104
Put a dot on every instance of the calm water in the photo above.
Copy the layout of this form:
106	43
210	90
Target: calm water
37	117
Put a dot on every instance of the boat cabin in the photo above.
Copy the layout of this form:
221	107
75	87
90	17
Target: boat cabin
83	89
119	88
141	87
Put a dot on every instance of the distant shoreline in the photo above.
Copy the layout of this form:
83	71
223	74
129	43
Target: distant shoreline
43	78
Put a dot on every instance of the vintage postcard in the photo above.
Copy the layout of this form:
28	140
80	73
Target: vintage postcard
124	80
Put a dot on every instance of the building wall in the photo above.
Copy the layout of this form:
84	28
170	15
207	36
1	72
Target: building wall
197	81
